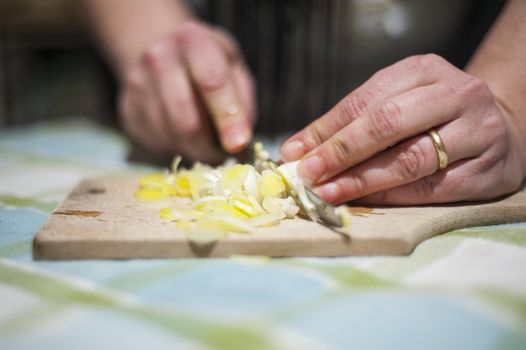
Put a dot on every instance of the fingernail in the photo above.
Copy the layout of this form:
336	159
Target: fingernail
312	168
236	138
292	150
330	192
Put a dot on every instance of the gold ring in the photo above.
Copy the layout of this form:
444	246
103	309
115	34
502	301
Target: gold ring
439	148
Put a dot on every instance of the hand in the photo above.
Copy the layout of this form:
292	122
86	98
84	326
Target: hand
186	88
373	144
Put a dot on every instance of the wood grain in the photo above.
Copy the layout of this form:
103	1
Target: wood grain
101	219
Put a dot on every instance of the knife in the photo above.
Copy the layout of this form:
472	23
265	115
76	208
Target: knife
326	212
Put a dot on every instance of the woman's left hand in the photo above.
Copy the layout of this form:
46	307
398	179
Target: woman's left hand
373	144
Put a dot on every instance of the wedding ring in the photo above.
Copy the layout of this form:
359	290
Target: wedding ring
439	148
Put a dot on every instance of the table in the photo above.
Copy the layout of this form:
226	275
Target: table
462	290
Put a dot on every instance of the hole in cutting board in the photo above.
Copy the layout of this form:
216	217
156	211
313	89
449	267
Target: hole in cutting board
96	190
85	213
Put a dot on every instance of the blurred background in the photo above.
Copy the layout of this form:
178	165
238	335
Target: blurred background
305	54
49	67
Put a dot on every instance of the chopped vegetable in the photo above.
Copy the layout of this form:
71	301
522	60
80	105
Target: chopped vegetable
231	198
345	215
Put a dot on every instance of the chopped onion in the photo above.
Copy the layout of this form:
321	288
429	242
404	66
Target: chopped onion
231	198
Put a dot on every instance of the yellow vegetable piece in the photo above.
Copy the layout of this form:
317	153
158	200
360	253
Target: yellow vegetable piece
167	214
151	193
270	219
223	208
152	179
187	183
196	181
203	201
182	184
246	204
230	198
192	215
183	224
225	223
345	216
271	184
154	187
234	176
245	208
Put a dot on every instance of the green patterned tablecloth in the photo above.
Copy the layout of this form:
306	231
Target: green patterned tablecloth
463	290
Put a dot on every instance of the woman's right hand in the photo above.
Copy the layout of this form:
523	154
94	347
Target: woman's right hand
188	90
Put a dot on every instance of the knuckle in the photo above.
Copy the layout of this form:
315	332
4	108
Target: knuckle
228	40
189	29
410	162
428	62
314	136
384	121
340	150
359	183
157	55
471	89
352	106
478	88
214	80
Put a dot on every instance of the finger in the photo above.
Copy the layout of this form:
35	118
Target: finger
242	77
142	116
212	75
187	126
173	86
138	127
134	125
456	183
395	120
474	179
403	164
394	80
244	83
204	146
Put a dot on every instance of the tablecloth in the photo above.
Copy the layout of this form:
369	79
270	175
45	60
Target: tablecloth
461	290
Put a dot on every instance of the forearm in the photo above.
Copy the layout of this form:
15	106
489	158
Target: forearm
126	27
501	62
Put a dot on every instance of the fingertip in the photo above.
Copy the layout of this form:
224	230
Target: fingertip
329	192
292	150
236	138
312	169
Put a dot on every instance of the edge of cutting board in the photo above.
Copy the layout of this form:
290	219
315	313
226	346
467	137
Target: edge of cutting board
126	228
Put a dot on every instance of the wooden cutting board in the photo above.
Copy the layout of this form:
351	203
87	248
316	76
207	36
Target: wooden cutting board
101	219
